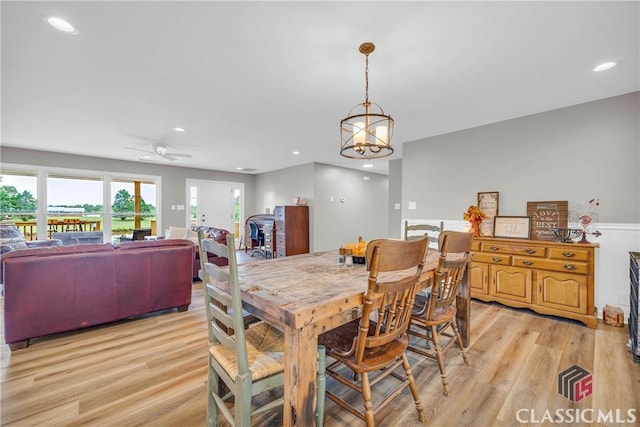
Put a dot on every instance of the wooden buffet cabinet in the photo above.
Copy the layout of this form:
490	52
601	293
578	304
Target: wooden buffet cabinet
546	277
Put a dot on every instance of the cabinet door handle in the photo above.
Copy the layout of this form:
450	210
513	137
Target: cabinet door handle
525	262
568	254
569	266
494	248
496	259
530	251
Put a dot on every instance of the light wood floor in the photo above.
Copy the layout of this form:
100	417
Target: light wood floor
152	371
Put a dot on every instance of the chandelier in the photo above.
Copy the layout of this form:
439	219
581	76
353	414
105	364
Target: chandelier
366	134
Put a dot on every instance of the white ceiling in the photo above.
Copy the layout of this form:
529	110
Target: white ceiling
253	81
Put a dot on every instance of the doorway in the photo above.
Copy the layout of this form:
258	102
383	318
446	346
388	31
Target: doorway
216	204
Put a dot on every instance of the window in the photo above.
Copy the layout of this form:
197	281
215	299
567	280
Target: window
74	203
18	200
74	200
133	206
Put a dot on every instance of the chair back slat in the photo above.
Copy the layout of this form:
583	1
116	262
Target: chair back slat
449	272
457	242
223	303
389	301
410	231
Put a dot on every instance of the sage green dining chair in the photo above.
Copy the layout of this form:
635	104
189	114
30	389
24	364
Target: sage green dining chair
248	361
415	231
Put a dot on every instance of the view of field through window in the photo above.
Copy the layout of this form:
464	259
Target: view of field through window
80	198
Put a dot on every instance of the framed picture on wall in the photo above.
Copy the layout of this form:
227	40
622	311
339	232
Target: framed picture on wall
488	203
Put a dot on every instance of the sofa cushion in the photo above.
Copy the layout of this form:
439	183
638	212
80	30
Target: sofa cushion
182	233
12	238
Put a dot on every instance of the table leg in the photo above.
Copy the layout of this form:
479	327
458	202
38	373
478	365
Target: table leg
300	376
463	308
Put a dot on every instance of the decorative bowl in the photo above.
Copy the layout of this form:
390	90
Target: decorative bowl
566	235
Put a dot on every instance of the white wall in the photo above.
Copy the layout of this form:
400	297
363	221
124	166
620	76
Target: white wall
342	204
364	211
574	154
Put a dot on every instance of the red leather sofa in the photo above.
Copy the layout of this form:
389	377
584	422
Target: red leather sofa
63	288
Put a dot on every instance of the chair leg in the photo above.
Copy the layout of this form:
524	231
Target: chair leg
366	396
212	408
412	386
440	357
459	341
242	405
322	385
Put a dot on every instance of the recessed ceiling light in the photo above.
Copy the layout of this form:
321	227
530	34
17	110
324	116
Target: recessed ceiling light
605	66
239	168
61	25
179	129
367	165
295	153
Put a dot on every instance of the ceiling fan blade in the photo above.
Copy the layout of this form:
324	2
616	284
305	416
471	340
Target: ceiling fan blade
168	156
178	154
139	149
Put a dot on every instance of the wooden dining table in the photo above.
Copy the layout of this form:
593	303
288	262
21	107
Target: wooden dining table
306	295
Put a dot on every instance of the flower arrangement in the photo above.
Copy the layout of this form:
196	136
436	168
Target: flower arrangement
474	214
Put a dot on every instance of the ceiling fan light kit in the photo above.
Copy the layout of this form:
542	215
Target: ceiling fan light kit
367	131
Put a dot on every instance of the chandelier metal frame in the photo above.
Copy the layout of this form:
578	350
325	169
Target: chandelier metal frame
366	134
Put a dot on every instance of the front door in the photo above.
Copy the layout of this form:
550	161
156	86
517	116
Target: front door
216	205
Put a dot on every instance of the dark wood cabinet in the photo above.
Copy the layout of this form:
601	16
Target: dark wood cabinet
292	230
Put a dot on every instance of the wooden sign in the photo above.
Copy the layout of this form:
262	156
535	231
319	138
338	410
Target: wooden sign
545	216
488	203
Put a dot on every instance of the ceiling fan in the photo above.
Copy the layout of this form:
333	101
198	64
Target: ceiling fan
162	151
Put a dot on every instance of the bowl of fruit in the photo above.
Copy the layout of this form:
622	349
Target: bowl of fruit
357	250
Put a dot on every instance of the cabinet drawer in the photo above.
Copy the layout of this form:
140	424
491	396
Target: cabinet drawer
475	246
554	265
572	254
534	251
491	258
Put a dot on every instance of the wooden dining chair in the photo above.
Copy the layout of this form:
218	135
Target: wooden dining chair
434	315
374	346
248	361
430	230
458	242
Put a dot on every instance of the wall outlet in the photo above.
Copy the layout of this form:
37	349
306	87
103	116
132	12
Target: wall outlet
623	298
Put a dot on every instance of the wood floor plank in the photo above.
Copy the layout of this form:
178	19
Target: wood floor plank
151	371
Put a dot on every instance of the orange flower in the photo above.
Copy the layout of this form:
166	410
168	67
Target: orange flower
474	214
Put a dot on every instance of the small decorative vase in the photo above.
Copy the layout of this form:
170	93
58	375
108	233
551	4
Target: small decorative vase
476	228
